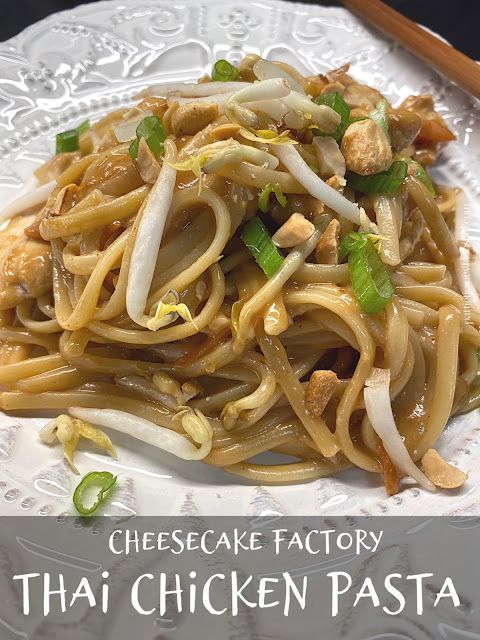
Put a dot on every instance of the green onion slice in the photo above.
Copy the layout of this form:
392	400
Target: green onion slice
152	129
263	200
98	482
223	71
133	149
258	241
380	115
338	104
70	140
388	181
371	282
84	126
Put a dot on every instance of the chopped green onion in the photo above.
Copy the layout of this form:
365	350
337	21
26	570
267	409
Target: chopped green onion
133	149
388	181
70	140
263	200
371	282
351	242
422	175
223	71
84	126
67	141
380	115
102	482
338	104
258	241
152	129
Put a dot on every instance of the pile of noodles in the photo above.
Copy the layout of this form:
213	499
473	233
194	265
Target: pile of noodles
242	353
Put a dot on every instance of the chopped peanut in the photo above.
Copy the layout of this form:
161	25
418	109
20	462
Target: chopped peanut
327	246
440	472
366	148
147	164
329	157
191	118
337	183
296	229
319	391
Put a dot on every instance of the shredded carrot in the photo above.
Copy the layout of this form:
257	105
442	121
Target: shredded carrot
204	347
391	475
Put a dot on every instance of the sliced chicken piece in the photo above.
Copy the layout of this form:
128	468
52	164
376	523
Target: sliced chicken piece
362	96
403	127
434	128
25	265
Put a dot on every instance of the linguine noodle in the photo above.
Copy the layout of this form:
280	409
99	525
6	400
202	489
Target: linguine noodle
128	298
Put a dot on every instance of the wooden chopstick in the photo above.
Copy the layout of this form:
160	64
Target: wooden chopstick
449	61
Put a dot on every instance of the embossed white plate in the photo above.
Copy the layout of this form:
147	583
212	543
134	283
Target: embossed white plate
92	59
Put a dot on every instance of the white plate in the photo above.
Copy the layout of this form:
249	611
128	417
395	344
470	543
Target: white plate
92	59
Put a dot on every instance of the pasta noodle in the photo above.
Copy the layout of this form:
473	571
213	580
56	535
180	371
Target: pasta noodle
200	264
